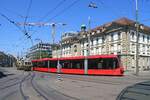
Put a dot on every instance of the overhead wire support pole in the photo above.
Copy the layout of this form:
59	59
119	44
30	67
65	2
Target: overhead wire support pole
57	51
89	32
91	5
87	48
53	32
137	37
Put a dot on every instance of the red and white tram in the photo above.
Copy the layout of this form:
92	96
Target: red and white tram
97	65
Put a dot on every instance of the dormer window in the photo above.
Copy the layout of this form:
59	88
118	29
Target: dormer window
132	35
98	31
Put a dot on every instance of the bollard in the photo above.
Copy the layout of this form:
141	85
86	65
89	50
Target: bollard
59	77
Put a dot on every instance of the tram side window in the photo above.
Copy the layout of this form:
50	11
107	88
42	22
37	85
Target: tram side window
93	64
53	64
73	64
40	64
34	64
45	64
66	65
79	64
107	63
110	63
100	65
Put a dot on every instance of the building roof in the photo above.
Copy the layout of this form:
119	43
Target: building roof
123	22
105	27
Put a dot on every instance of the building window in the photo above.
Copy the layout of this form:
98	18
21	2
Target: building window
133	48
143	49
112	37
97	51
87	45
91	42
103	39
112	47
119	48
97	41
119	36
143	38
75	48
147	39
132	35
82	52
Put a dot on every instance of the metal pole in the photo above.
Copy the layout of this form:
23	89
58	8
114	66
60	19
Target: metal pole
58	65
137	37
85	65
48	66
88	48
53	32
40	49
89	28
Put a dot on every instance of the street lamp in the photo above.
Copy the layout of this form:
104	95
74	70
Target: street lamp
53	36
91	5
137	37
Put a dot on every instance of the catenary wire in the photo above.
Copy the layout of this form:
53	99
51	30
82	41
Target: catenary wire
52	10
63	10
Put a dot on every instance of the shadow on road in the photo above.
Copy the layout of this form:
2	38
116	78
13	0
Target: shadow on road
2	75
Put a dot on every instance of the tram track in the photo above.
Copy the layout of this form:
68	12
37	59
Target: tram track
52	93
17	77
102	81
35	87
23	89
18	84
93	81
24	97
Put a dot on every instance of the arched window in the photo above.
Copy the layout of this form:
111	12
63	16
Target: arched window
75	48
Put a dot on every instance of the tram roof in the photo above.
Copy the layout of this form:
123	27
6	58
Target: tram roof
45	59
102	56
76	58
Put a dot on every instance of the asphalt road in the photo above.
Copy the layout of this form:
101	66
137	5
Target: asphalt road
20	85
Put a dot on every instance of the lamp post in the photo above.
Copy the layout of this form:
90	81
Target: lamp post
88	47
53	37
137	37
91	5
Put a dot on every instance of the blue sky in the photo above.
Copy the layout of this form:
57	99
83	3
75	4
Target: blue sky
13	40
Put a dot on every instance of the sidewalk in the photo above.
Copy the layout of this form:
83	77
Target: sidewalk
141	74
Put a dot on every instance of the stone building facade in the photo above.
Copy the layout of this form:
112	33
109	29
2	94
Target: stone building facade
117	37
40	50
